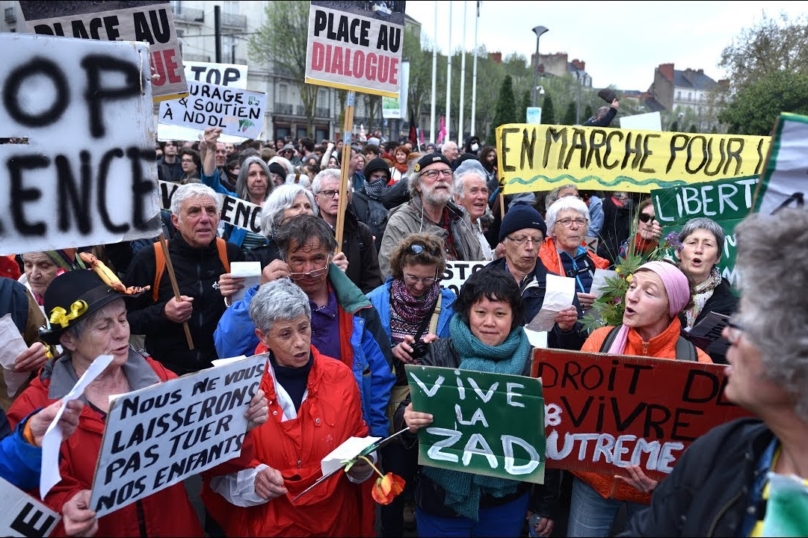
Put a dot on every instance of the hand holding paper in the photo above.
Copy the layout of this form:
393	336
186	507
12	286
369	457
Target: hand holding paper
250	272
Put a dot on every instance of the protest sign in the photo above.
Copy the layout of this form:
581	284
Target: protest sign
77	165
22	515
651	121
158	436
456	273
603	412
785	180
237	112
150	21
496	417
726	201
543	157
356	46
240	213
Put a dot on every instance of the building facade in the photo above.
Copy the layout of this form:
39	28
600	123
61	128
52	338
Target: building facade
675	88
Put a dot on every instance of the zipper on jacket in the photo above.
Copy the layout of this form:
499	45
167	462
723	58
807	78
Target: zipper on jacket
721	512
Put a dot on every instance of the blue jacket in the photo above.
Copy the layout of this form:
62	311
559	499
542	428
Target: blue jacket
380	299
20	462
372	360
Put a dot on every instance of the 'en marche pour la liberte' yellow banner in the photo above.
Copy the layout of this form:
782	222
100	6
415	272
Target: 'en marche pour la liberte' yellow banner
543	157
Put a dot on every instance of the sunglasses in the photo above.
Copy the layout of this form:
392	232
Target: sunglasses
646	218
417	248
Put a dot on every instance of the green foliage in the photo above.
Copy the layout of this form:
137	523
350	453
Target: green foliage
569	116
506	106
692	128
755	108
587	113
526	103
548	111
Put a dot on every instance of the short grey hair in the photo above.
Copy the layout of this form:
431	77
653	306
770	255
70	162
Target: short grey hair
568	202
774	312
317	182
703	223
281	199
241	181
193	190
279	300
552	196
460	180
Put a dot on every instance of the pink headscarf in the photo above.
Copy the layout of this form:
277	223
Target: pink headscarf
677	288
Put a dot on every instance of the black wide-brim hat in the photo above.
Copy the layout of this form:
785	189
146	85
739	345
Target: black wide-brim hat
70	298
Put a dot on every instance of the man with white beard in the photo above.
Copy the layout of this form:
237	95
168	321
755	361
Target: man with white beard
431	210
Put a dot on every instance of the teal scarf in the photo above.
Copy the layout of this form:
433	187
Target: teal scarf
464	490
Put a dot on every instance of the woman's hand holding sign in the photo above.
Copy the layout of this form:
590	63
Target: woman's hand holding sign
416	420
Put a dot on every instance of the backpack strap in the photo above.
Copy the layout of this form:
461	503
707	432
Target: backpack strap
160	263
686	350
609	340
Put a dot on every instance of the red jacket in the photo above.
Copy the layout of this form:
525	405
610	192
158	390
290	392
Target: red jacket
330	414
165	513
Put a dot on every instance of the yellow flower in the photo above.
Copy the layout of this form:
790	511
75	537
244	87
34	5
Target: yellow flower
628	278
617	270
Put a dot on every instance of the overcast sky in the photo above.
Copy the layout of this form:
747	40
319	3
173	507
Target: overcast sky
621	42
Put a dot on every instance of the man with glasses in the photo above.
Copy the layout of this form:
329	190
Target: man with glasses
431	210
344	324
357	239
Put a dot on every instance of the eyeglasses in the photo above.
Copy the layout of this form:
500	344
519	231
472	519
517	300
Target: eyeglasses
433	174
524	239
314	273
645	218
566	223
417	248
734	332
428	281
328	194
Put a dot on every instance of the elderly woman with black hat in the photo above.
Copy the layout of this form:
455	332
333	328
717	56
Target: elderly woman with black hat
88	319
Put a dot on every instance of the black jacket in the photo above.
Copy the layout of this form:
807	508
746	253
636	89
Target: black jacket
708	492
533	298
605	121
616	227
363	259
197	271
265	254
722	301
430	497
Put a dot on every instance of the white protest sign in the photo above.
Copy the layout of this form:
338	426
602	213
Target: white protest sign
149	21
240	213
158	436
237	112
355	48
79	164
22	515
785	181
651	121
457	272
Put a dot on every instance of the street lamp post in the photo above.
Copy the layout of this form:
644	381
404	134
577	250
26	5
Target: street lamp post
538	30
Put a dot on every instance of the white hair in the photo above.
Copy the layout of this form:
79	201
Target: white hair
193	190
568	202
281	199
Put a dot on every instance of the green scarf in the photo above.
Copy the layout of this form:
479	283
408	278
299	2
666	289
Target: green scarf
464	490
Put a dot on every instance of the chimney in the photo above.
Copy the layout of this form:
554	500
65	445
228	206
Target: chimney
579	65
667	71
496	57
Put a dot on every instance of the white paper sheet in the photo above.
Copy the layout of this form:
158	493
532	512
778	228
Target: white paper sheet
11	345
537	339
53	436
223	362
250	271
346	451
599	281
560	294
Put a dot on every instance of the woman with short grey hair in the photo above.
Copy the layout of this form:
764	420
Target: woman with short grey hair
280	300
701	244
723	484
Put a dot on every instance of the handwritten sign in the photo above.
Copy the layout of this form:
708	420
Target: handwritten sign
483	423
785	180
22	515
604	411
355	49
149	21
240	213
543	157
456	273
237	112
158	436
78	166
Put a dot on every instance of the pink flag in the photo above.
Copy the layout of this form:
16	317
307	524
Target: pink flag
442	131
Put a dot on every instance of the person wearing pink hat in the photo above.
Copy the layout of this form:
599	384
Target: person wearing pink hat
658	291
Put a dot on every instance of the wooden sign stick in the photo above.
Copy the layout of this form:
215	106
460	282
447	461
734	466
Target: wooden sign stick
344	183
173	278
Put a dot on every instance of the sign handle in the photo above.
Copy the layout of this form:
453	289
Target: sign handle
346	160
173	278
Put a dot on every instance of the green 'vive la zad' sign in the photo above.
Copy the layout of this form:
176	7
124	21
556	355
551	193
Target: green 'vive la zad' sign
483	423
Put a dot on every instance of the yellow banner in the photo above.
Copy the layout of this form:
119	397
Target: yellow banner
543	157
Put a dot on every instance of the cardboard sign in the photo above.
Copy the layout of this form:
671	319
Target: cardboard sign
149	21
543	157
240	213
158	436
726	201
785	180
78	160
356	46
604	411
237	112
483	423
22	515
456	273
651	121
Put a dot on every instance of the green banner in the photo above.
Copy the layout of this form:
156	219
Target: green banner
483	423
726	201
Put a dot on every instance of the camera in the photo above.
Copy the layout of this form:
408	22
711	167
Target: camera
419	349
